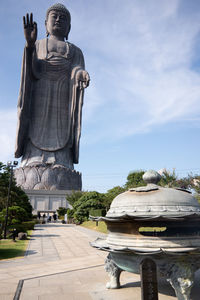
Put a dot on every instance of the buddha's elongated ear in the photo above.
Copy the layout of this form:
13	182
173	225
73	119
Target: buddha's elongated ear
47	33
68	32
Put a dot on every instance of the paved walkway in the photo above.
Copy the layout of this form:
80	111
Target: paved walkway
60	264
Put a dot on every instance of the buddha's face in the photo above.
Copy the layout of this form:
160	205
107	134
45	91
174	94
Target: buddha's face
57	24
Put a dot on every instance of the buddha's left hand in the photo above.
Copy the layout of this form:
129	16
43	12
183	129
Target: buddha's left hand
83	79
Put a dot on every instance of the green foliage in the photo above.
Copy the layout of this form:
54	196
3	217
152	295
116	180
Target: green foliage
14	221
21	199
168	179
92	225
111	194
23	227
74	197
17	195
195	183
17	218
16	215
29	225
8	249
88	201
134	179
62	211
4	180
97	212
184	183
70	213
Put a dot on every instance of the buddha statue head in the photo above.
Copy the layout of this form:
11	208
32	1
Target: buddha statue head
58	21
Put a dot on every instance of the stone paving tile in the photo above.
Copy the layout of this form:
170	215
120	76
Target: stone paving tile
32	283
39	291
46	281
82	296
11	282
34	297
57	297
7	288
5	276
6	297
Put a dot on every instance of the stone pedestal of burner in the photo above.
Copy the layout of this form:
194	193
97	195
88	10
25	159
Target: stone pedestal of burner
179	272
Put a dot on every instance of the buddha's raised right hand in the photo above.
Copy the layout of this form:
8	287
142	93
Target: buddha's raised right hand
30	30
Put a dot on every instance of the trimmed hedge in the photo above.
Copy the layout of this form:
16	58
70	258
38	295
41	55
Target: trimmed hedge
23	227
97	212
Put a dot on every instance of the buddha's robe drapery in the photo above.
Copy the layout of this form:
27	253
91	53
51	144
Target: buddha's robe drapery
50	106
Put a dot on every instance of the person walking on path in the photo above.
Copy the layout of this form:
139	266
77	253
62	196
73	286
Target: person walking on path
54	217
39	215
44	218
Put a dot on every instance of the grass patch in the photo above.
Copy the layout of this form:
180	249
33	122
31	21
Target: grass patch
152	229
92	225
103	228
10	249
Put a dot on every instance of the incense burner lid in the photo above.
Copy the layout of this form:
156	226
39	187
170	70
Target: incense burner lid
153	201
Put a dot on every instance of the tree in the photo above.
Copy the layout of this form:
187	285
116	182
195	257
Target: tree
62	211
16	215
17	195
134	179
168	179
74	197
171	180
195	182
185	183
89	200
4	179
111	194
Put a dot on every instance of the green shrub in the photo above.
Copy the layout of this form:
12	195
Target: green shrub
70	213
15	213
62	211
23	227
14	221
97	212
29	225
74	197
17	195
89	201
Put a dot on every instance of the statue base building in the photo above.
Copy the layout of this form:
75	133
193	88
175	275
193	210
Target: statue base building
47	187
47	201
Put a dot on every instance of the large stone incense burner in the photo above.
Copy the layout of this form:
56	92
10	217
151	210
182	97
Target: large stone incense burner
133	222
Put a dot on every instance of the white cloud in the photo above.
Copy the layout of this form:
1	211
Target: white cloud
142	67
7	134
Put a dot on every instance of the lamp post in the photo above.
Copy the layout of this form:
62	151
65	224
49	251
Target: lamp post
10	165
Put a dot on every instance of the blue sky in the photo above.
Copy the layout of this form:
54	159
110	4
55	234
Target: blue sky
142	109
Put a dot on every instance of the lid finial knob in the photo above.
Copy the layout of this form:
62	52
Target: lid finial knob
151	176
